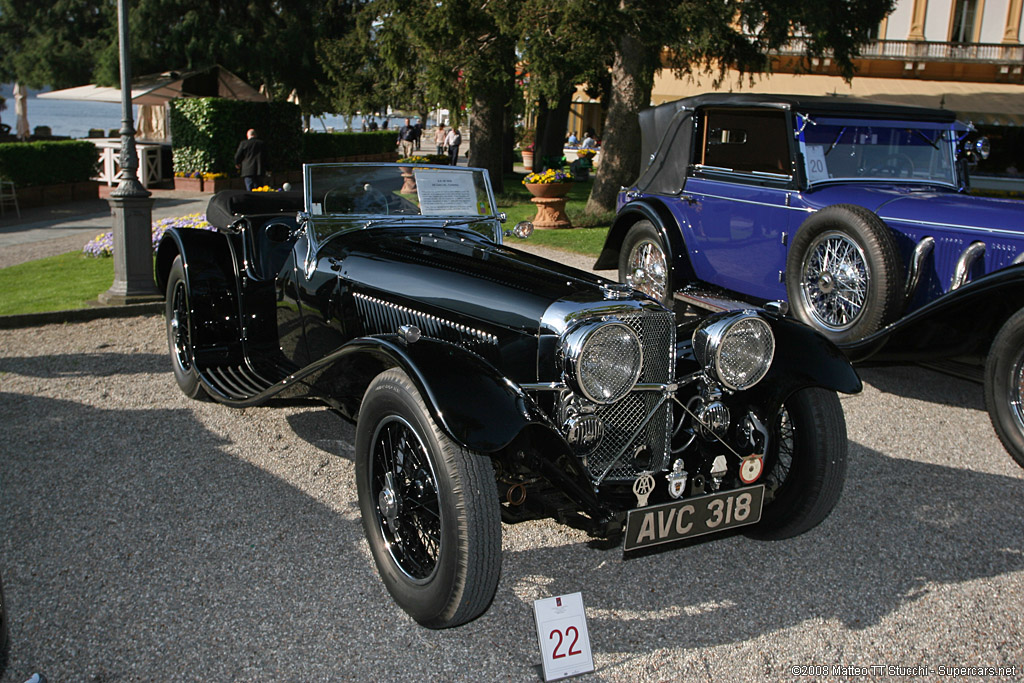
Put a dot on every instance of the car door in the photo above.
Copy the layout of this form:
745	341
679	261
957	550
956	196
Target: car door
739	190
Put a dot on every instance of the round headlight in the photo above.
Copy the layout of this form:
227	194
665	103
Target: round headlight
983	147
602	360
737	348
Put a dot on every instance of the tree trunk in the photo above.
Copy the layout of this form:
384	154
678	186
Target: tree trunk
551	140
485	134
632	82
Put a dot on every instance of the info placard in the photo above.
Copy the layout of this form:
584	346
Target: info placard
444	193
563	636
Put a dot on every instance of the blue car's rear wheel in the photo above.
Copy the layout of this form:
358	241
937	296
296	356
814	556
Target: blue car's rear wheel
643	263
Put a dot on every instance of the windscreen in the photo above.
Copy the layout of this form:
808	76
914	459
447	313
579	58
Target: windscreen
856	149
393	190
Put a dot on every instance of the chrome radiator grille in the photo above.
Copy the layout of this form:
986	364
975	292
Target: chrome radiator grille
656	330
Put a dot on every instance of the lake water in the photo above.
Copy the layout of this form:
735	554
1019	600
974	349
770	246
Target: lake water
75	119
64	117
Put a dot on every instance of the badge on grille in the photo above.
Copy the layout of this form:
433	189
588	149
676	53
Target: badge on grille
642	488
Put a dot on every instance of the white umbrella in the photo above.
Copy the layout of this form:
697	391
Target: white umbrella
21	110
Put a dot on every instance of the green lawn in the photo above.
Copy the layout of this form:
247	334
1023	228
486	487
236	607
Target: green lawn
72	280
56	283
586	238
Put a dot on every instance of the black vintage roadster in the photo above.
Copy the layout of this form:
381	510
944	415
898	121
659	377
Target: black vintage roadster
488	385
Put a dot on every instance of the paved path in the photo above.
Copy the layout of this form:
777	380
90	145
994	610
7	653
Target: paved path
51	230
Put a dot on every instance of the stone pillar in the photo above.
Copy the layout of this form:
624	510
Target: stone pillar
130	204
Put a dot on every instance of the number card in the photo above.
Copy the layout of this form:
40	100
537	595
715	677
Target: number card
564	639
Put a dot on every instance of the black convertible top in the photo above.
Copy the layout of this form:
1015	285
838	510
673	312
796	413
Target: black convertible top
666	141
227	206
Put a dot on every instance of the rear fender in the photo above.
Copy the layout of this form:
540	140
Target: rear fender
658	214
213	290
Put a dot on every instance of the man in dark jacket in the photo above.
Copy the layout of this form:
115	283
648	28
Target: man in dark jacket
251	160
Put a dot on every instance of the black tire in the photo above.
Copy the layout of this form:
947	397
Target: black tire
430	508
178	319
805	467
644	263
1004	385
844	276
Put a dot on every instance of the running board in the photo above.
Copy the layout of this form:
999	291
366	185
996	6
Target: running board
247	381
710	299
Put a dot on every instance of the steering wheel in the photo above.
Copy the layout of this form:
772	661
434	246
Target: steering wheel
894	165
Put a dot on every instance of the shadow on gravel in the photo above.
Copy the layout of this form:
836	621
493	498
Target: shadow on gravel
86	364
135	543
922	384
902	530
144	545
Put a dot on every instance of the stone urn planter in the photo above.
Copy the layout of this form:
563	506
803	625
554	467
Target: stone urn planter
408	180
549	198
528	161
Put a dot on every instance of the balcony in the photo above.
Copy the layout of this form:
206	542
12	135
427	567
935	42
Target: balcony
909	50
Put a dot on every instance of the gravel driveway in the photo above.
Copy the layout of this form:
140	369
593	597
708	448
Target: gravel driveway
146	537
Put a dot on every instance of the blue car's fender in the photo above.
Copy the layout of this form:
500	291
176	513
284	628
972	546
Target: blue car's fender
659	215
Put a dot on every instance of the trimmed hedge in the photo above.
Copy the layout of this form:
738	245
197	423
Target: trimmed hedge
48	162
318	146
207	130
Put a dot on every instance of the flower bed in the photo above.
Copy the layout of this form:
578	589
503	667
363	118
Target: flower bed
103	244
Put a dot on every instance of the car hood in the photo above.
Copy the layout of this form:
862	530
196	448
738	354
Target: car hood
460	274
926	206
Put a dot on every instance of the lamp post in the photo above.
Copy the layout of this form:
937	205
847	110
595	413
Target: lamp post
131	205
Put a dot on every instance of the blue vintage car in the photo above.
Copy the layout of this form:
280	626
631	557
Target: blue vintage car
855	213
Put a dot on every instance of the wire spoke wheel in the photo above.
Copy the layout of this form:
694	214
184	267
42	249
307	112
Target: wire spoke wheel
179	323
835	278
405	488
647	270
1004	385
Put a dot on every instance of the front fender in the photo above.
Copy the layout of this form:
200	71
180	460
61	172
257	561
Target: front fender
470	400
804	358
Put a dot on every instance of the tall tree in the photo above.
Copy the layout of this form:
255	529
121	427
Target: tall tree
710	36
453	53
64	43
561	45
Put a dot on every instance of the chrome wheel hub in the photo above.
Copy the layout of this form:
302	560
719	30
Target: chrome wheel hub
407	500
648	270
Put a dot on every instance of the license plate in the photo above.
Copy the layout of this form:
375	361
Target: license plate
693	517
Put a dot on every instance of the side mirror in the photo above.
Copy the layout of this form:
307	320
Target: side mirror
522	230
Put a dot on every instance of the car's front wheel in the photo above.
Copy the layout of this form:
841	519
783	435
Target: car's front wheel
1004	385
643	263
805	466
843	273
430	508
178	318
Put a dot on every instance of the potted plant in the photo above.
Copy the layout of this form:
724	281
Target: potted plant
549	189
408	178
528	157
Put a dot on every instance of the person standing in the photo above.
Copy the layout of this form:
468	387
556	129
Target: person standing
251	159
439	136
406	139
418	128
452	142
